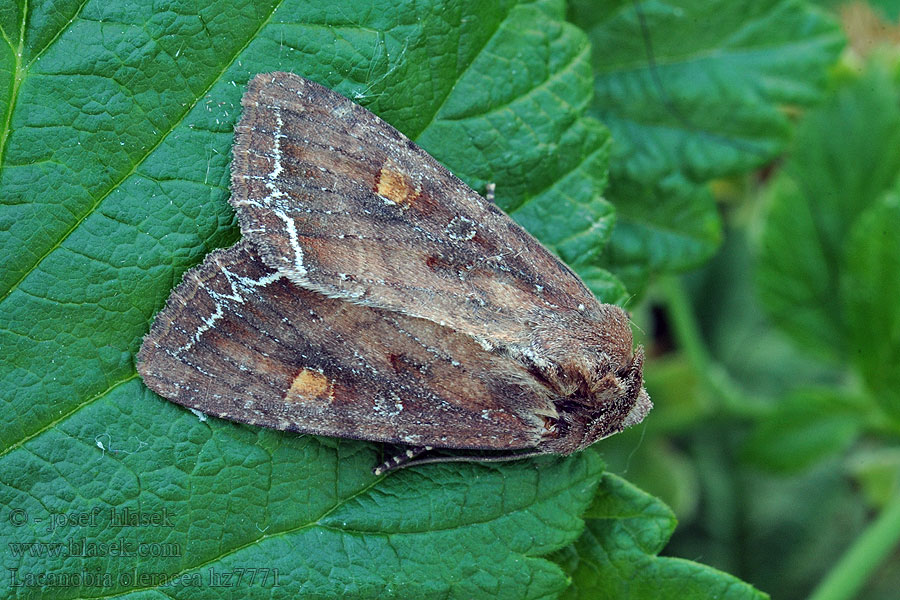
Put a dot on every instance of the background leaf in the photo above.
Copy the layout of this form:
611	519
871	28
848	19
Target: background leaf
792	422
808	426
615	558
844	159
693	91
871	288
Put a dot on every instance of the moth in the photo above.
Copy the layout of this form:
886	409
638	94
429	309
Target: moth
375	296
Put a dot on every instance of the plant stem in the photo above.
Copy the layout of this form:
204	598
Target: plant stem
687	332
852	571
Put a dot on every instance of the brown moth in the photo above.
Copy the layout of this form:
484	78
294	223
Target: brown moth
375	296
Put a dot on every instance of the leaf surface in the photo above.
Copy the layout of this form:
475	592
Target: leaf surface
693	91
616	556
845	160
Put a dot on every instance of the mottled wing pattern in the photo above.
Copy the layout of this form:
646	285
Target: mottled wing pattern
238	340
344	204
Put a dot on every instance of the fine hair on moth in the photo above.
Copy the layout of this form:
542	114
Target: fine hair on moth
375	296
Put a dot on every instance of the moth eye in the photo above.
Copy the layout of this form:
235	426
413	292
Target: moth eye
629	369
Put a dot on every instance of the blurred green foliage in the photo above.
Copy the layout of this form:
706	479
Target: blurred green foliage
778	376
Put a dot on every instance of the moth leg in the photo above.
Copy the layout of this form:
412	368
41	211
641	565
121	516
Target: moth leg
489	190
399	461
410	458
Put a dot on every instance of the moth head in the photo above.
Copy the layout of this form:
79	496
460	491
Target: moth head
618	400
605	367
601	386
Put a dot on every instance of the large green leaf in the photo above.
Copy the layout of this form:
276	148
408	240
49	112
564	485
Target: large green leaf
871	290
616	556
808	426
304	511
845	158
693	91
115	140
115	167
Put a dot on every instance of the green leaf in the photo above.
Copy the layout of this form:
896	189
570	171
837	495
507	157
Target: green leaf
604	285
871	290
877	472
616	556
844	159
712	75
115	173
653	236
569	214
693	91
659	467
888	8
807	427
235	497
115	137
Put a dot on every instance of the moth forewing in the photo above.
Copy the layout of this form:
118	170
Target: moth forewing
345	204
240	341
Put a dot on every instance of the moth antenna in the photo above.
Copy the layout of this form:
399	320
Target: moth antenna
628	301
